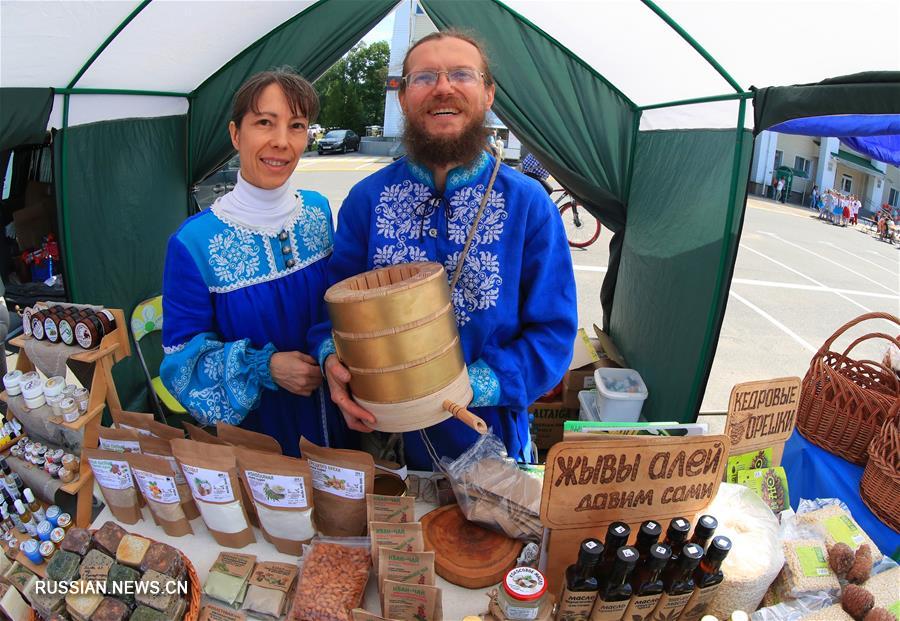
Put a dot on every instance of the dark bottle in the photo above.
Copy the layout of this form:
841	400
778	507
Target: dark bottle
704	530
707	579
677	536
616	536
647	537
615	590
581	587
678	583
647	584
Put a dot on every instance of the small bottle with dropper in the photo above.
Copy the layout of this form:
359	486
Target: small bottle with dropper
678	583
34	506
580	590
646	583
615	591
28	522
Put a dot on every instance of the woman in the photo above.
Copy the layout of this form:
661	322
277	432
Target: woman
244	280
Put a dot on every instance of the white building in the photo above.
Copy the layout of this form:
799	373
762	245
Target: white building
410	24
827	164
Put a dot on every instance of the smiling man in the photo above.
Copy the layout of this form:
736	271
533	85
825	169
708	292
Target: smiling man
515	299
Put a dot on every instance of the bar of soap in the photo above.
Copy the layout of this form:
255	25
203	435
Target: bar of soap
211	612
111	609
44	603
20	576
95	566
78	540
176	609
81	605
142	613
131	550
157	597
107	538
165	559
63	566
115	582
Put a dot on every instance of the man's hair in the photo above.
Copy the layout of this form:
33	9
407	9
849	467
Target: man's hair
451	34
300	94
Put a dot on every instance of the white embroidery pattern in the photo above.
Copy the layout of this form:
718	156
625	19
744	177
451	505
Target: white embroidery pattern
214	365
210	405
234	255
485	386
479	284
313	228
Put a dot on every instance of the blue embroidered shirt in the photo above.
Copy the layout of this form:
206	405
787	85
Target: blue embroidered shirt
515	301
232	297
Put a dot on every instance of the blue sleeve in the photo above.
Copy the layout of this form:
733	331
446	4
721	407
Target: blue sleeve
349	258
515	374
213	380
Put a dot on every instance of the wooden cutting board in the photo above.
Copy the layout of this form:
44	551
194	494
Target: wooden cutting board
465	553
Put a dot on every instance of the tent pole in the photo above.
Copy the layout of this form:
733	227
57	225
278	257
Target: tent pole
63	199
693	43
699	100
728	247
189	155
109	39
635	129
118	91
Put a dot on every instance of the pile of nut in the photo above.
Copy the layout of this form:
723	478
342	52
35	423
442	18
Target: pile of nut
332	582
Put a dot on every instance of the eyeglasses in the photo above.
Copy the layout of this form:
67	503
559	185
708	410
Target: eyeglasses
428	79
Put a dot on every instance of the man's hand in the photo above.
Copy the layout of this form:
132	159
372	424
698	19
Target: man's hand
338	378
296	372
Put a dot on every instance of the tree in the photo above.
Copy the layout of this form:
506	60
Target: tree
351	92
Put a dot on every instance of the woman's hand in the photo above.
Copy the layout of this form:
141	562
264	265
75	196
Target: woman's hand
338	378
296	372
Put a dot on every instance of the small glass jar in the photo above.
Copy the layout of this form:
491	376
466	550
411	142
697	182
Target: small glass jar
69	391
82	398
524	592
53	512
53	402
53	470
70	462
64	521
57	535
43	530
65	475
47	549
69	410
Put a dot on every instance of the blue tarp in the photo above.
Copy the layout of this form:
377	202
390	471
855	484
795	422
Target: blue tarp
874	135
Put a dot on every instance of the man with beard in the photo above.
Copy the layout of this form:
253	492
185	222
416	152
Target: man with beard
515	300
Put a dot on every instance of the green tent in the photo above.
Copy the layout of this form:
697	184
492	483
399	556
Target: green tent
644	124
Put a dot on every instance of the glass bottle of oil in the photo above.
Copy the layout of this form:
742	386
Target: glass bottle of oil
617	535
581	587
647	537
707	579
678	583
646	583
677	535
615	590
704	530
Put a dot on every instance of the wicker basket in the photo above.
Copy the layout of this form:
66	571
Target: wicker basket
195	591
880	485
844	402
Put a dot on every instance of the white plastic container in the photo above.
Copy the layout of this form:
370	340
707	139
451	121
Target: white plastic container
13	381
619	407
53	387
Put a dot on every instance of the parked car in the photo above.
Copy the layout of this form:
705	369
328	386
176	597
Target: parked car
339	141
217	184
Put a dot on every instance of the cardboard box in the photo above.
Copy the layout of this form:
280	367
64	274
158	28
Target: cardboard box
547	426
582	377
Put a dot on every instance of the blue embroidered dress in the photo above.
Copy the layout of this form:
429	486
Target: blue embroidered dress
233	296
515	301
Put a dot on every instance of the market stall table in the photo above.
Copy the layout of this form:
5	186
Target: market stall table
202	551
813	472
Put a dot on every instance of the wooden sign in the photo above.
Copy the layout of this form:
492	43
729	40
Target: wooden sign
591	483
762	414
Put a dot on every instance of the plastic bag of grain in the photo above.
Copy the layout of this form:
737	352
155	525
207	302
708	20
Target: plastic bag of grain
806	567
832	518
756	556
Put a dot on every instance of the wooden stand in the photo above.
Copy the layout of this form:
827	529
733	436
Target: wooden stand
114	347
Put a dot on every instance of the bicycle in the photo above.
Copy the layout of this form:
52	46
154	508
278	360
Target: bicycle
582	228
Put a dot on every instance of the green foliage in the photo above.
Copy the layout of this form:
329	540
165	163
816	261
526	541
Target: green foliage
352	90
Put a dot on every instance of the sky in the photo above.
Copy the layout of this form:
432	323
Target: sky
383	31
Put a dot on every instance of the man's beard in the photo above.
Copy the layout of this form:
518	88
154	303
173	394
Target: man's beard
436	152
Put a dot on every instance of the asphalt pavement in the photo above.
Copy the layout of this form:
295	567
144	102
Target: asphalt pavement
797	280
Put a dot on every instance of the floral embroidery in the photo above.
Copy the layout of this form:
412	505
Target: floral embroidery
210	405
234	255
395	213
314	229
485	385
214	365
245	393
326	349
479	284
461	176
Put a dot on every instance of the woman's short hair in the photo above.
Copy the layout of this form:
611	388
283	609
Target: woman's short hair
301	96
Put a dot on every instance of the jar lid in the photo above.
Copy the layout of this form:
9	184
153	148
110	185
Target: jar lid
53	511
524	584
13	378
54	385
30	546
47	548
57	535
63	520
67	404
45	527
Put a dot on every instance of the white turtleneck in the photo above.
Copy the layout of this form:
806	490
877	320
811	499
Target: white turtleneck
266	211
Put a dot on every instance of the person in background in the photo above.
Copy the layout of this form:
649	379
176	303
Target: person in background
244	280
837	211
814	197
533	168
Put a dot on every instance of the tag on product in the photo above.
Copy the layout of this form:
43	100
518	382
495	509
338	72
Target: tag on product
211	612
271	575
343	482
412	602
812	561
275	490
156	487
208	485
403	537
399	566
234	564
359	614
394	509
770	484
753	460
111	474
844	530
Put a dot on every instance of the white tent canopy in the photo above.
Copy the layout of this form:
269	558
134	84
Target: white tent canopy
172	46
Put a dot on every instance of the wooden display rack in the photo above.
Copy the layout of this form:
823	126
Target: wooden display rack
114	347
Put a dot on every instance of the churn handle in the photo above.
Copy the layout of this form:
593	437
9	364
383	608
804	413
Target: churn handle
465	416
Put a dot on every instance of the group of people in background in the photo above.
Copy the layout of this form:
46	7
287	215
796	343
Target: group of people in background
839	209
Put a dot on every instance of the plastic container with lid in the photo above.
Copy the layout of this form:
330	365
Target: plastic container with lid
53	387
620	395
523	593
13	383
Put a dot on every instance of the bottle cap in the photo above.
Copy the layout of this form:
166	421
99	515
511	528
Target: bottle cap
659	556
719	548
616	536
705	528
28	495
590	553
678	530
627	555
690	557
19	506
